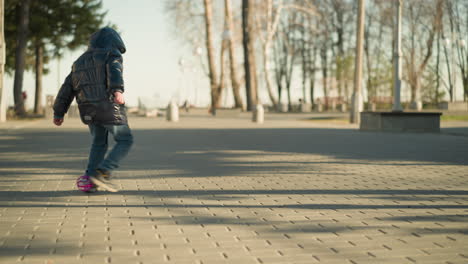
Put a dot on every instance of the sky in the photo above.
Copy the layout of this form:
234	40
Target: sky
151	69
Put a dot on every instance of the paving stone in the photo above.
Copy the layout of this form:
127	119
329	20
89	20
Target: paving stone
197	192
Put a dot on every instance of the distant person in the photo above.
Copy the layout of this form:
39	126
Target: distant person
186	106
96	82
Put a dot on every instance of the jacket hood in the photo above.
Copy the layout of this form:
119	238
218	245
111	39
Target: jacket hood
107	38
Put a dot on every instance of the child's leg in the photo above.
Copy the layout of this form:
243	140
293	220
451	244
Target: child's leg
98	148
124	140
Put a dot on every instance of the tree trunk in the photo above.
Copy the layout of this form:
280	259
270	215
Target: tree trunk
415	91
324	57
304	60
210	52
232	56
312	86
20	57
279	87
289	74
266	67
2	62
312	75
249	55
370	88
378	61
220	88
465	87
459	24
278	71
339	73
437	69
39	71
271	24
304	80
288	83
339	26
465	72
449	73
367	47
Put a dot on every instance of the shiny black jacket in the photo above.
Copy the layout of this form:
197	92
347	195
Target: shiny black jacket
94	78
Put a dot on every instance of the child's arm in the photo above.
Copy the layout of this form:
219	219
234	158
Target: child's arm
119	98
115	81
63	100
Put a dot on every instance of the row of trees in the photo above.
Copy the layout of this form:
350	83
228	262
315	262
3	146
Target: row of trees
38	31
274	41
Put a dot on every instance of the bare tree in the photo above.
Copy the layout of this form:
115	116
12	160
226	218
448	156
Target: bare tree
248	43
311	53
271	23
267	23
188	17
304	45
312	69
340	22
232	55
448	52
324	43
324	60
317	36
424	20
436	69
286	53
458	18
215	84
290	51
378	31
280	67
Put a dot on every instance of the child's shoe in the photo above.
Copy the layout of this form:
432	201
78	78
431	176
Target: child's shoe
84	184
102	180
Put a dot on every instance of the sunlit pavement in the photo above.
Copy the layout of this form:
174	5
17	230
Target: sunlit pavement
221	190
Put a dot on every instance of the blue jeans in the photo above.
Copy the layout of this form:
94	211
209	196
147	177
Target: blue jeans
124	140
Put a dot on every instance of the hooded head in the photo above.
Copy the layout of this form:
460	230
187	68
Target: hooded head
107	38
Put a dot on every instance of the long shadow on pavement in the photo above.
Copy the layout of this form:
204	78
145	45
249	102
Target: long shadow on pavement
216	153
210	152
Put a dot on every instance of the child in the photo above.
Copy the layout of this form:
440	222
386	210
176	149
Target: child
97	84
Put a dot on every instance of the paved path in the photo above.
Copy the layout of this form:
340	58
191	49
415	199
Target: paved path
228	191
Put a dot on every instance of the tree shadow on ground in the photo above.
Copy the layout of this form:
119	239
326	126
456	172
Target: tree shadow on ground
428	194
39	197
202	153
40	247
218	152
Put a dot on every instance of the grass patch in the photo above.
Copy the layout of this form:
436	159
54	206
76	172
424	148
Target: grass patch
328	120
346	120
454	118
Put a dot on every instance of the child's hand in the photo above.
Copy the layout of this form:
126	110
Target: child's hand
58	121
118	98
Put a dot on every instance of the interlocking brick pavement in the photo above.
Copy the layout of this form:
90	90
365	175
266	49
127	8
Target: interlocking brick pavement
211	190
